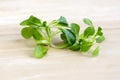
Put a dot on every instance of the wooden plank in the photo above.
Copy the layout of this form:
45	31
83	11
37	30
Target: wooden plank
16	54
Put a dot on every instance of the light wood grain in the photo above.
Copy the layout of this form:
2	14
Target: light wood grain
16	54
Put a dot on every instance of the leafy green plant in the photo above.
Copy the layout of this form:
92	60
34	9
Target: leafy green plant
72	38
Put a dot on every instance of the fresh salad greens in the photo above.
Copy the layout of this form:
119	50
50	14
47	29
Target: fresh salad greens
72	38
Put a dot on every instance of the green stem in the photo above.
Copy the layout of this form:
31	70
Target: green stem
93	39
64	45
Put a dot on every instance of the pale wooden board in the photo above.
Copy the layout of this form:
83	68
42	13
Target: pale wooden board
16	54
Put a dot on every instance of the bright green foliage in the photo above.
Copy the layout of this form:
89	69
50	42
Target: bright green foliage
36	34
69	35
32	21
75	47
100	39
27	32
99	31
85	45
75	28
73	39
87	21
62	21
89	31
40	51
95	52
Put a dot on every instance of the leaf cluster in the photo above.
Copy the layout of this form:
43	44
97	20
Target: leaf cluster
71	35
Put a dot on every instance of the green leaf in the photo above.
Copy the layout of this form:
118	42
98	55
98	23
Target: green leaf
75	28
99	31
25	23
95	52
87	21
100	39
54	22
40	51
36	35
85	45
44	23
63	37
69	36
75	47
89	31
32	21
62	21
27	32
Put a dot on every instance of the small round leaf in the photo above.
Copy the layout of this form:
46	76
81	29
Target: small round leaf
27	32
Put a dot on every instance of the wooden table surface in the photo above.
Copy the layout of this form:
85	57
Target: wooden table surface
16	54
